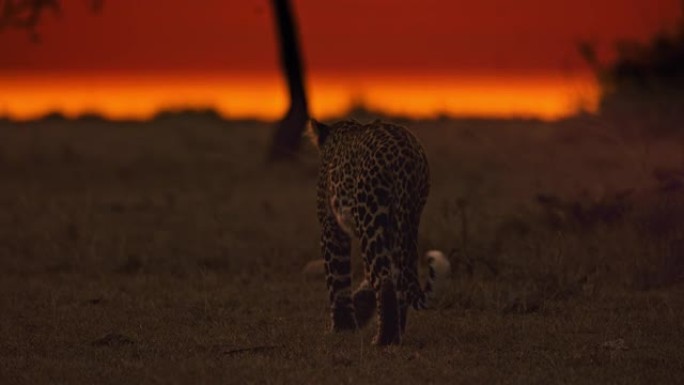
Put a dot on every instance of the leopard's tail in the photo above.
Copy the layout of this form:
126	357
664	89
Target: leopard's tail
439	270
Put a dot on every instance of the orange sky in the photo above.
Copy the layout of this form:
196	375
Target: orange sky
444	43
143	95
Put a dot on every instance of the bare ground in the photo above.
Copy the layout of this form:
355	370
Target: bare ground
171	252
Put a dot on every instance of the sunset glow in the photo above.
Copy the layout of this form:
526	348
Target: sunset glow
140	96
416	58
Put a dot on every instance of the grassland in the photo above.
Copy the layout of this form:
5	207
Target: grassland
172	252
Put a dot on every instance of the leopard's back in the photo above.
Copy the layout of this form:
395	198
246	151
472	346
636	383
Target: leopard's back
373	184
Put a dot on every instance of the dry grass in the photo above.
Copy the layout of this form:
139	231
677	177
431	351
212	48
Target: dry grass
170	252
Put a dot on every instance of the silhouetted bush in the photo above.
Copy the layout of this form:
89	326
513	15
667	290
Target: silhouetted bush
645	84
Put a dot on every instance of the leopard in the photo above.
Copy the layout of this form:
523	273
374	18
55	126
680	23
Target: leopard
373	183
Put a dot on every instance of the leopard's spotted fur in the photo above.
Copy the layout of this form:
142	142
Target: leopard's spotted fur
373	184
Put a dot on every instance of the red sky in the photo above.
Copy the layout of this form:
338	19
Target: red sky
338	36
415	57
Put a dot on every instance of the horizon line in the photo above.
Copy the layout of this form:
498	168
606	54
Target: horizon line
543	96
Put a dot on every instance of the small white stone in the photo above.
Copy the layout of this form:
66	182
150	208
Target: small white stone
440	263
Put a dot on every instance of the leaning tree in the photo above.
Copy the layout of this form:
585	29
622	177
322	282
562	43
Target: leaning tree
27	14
289	129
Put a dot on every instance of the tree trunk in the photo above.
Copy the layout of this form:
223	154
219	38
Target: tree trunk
289	130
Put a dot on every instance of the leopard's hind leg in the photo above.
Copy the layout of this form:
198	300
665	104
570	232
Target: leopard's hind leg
364	302
377	235
336	250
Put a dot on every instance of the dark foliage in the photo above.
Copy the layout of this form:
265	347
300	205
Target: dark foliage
646	79
28	14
